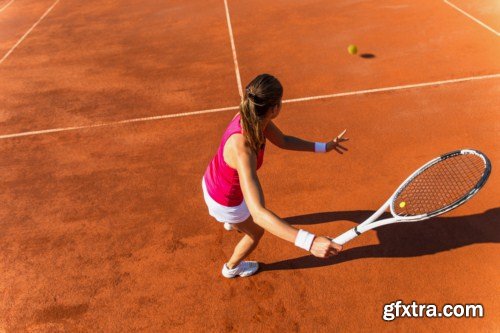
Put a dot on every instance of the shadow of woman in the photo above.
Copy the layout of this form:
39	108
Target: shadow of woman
410	239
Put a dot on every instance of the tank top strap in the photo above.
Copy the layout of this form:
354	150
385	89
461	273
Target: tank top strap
234	127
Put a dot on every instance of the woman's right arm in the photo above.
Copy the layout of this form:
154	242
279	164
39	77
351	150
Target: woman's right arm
252	192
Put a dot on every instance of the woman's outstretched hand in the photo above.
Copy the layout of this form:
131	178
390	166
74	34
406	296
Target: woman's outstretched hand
335	143
323	247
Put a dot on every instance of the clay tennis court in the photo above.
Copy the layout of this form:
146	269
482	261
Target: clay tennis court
110	112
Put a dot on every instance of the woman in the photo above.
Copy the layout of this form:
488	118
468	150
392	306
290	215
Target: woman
231	187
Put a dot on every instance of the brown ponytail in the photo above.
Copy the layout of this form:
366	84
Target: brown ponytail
260	96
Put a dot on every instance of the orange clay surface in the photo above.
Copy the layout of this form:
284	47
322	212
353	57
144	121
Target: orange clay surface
486	11
105	229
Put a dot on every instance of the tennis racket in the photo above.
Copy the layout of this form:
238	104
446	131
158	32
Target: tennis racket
439	186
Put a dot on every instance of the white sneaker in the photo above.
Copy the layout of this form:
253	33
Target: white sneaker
245	268
228	226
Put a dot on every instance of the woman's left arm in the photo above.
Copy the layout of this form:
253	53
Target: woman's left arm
274	134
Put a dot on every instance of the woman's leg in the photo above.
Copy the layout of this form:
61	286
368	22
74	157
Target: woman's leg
253	234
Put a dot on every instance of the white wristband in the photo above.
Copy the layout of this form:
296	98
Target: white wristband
320	147
304	240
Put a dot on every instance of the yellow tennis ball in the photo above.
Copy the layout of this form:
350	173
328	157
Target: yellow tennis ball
352	49
402	204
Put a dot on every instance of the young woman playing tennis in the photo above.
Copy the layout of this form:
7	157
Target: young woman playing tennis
231	187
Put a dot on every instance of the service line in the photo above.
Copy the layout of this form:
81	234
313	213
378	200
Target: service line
408	86
127	121
233	108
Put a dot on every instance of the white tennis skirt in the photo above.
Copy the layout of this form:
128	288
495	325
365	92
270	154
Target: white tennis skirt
223	213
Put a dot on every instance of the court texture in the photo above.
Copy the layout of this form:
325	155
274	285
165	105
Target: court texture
110	112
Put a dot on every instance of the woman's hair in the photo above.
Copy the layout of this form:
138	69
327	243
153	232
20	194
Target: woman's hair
261	95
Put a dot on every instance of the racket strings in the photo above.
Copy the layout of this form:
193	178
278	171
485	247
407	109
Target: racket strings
440	185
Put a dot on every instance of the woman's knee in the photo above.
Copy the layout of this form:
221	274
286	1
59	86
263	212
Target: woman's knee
250	228
257	234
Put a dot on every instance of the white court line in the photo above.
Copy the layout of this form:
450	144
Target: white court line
127	121
6	5
28	32
295	100
472	18
408	86
236	67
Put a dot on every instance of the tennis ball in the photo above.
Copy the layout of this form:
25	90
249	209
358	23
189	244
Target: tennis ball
402	204
352	49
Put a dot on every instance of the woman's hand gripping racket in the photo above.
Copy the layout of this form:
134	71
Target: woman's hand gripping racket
439	186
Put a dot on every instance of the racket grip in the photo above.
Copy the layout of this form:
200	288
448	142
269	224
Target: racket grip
345	237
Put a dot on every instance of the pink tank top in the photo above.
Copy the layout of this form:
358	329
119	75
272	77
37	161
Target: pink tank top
222	181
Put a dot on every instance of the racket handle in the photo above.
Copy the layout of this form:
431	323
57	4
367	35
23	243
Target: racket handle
345	237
